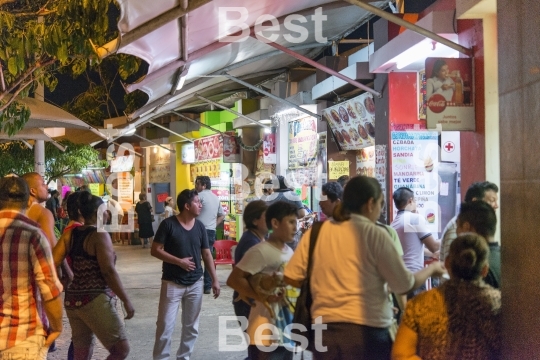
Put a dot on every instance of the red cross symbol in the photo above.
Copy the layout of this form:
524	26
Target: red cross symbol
449	146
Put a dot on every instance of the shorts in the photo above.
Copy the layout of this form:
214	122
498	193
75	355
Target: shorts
98	317
31	348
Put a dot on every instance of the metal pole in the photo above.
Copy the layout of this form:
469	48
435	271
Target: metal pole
418	29
323	68
230	110
155	143
146	28
272	96
169	130
39	157
198	123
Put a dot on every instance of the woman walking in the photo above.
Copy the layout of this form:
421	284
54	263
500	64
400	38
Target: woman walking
354	262
90	300
144	218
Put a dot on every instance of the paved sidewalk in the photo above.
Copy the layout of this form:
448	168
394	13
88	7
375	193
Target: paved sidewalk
140	274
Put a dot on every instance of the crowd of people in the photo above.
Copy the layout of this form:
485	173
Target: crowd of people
366	277
357	264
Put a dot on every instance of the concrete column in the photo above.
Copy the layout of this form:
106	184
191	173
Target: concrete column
491	95
39	157
519	91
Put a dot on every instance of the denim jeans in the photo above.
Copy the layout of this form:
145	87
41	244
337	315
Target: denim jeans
211	234
172	297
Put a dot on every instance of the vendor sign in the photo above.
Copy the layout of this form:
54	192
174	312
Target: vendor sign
302	142
449	94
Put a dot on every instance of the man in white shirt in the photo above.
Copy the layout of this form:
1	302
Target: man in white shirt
413	232
211	216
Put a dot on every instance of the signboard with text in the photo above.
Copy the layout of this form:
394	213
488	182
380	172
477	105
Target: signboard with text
269	149
353	122
337	169
208	148
449	94
302	142
415	162
231	148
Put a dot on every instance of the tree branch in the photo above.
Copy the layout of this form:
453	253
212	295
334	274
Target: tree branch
25	75
14	97
3	84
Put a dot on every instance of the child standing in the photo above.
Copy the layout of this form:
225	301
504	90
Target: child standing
268	257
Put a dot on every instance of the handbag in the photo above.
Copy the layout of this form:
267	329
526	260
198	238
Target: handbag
302	310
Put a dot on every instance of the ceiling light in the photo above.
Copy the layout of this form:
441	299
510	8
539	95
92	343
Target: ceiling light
130	132
266	122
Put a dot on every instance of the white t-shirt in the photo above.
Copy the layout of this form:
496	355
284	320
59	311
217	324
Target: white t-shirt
211	209
263	258
352	263
168	212
434	86
412	230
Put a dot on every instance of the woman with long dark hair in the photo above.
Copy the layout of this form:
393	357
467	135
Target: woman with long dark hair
144	219
90	299
459	319
354	261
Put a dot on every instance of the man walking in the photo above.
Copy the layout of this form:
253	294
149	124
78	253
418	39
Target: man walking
211	216
180	242
27	270
38	194
413	233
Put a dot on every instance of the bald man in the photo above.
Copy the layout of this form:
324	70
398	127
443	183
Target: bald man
38	194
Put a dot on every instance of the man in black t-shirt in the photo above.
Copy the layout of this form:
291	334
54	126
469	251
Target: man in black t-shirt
180	242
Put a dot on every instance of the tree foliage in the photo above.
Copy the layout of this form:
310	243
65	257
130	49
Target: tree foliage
19	159
97	102
39	38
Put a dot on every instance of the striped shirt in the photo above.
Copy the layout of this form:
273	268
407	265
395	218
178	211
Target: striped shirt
27	267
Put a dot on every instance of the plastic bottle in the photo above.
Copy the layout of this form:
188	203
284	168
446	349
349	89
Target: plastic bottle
458	92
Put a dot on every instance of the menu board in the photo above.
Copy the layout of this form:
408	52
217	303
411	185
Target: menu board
338	169
415	156
210	168
380	173
303	142
208	148
353	122
365	162
125	190
231	148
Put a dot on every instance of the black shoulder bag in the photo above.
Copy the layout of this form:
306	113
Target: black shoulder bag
302	310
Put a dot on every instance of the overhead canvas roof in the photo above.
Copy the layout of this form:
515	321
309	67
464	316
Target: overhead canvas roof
206	25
